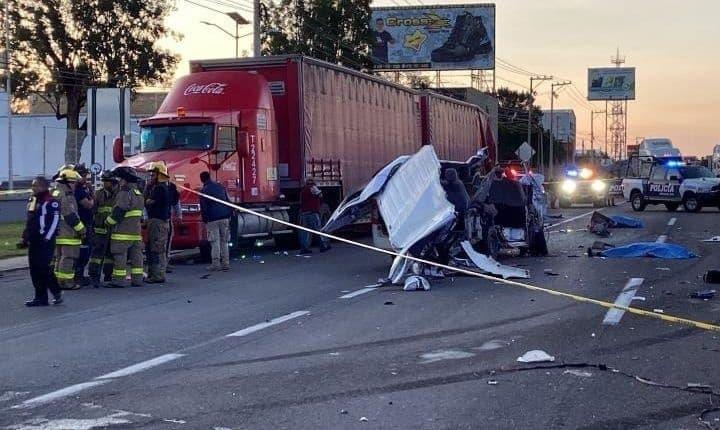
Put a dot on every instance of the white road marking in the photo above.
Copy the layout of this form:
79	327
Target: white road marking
661	239
672	221
63	392
613	316
257	327
139	367
447	354
360	291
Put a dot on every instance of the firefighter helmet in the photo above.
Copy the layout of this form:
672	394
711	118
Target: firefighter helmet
126	173
82	169
68	175
108	176
60	169
159	167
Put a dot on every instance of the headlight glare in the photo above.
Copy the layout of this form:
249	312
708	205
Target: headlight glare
598	185
568	186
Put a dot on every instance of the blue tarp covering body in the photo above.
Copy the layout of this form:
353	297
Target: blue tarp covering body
649	249
622	221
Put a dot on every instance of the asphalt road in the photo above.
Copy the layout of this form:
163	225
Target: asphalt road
302	357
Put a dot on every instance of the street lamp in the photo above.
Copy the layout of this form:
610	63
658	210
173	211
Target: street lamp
239	20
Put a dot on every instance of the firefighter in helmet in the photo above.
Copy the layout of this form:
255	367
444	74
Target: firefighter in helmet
157	205
125	224
71	231
101	259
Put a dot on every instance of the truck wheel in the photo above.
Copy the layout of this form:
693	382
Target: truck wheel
691	203
672	207
637	201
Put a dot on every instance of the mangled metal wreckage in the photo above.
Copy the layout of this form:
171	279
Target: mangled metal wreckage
422	222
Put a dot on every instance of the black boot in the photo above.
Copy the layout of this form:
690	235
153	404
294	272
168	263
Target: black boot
467	39
34	303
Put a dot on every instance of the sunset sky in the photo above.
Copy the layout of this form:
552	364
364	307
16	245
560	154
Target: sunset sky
675	47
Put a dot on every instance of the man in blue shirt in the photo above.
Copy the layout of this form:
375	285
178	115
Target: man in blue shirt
216	217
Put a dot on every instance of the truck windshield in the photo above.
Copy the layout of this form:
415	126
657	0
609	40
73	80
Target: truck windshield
189	136
694	172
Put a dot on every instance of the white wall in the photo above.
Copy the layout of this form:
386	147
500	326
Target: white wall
33	155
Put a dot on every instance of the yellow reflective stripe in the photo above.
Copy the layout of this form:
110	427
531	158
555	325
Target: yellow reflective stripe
137	192
136	271
119	272
79	226
120	236
96	261
55	193
104	209
110	221
65	275
65	241
133	213
99	230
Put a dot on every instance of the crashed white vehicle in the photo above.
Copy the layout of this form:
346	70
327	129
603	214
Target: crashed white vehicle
419	219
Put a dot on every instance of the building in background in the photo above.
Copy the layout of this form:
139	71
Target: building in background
563	127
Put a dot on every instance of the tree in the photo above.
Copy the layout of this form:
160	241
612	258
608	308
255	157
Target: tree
62	47
336	31
512	125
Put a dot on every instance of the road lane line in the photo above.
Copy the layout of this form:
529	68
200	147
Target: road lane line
139	367
257	327
672	221
613	316
360	291
59	394
662	238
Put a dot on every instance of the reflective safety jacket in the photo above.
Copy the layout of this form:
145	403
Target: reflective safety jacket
104	201
71	228
126	214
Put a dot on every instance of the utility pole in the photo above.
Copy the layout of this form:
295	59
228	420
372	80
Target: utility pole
551	155
531	100
256	28
592	127
8	93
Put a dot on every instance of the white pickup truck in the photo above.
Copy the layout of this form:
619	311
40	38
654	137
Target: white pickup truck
672	183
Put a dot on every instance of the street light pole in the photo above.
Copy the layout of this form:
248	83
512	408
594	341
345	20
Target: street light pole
8	93
552	126
256	28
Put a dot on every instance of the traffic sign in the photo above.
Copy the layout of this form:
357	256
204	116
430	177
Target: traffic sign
525	152
95	168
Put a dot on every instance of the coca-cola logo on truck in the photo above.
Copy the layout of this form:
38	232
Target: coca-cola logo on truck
211	88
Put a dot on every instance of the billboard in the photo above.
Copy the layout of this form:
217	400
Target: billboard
611	83
434	37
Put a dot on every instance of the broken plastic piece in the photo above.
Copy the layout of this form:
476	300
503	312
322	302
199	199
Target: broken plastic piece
487	264
703	294
550	272
536	356
713	239
416	283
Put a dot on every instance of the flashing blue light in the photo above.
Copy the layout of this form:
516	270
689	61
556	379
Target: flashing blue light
572	172
673	163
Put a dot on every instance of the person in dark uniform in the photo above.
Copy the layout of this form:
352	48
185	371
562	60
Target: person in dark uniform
39	237
85	204
381	39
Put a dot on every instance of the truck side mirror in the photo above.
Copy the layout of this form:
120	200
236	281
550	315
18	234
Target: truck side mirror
117	150
243	144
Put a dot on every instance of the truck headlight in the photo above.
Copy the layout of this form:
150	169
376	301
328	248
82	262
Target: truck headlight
586	173
568	186
597	185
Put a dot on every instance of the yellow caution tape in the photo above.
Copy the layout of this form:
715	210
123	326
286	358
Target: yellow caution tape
575	297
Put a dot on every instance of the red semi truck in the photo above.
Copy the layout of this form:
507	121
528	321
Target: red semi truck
260	126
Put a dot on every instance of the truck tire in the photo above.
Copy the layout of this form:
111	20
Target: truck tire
672	207
691	203
637	201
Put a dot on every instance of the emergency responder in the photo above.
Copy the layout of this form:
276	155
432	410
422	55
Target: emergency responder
71	231
125	224
85	204
157	205
101	259
42	222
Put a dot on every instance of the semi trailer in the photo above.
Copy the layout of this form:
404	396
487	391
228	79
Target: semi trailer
261	126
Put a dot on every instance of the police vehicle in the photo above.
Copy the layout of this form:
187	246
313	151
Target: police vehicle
671	183
583	185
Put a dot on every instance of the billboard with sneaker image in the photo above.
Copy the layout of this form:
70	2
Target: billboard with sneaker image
449	37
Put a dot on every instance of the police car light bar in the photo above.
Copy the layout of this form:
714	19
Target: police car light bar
572	172
673	163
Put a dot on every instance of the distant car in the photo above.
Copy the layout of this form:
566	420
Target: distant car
583	185
658	147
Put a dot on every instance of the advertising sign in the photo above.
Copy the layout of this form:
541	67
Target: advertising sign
611	83
434	37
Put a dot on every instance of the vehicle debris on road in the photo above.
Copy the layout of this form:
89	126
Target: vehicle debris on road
416	283
703	294
536	356
712	277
